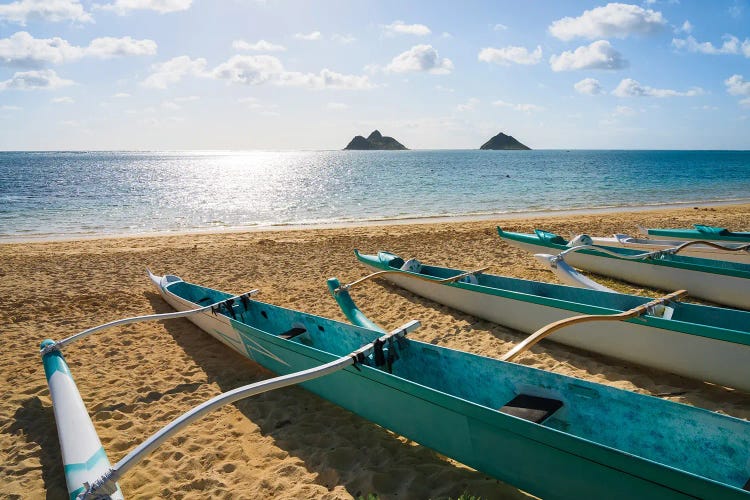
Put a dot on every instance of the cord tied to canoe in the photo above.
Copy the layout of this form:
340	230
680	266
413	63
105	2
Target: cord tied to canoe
419	276
377	353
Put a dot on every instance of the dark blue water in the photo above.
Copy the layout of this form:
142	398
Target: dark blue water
74	194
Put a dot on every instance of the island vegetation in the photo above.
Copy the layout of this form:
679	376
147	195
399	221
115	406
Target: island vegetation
374	141
502	141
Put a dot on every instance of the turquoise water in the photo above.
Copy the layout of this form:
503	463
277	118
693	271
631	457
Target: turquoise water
51	194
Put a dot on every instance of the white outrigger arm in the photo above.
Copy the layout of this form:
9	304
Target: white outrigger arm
88	472
570	276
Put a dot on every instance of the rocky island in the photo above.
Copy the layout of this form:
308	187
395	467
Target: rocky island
502	141
374	141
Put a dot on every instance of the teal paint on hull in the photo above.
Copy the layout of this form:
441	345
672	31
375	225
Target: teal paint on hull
735	269
703	233
604	442
53	361
718	323
83	470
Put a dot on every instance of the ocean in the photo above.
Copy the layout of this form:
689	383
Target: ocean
78	194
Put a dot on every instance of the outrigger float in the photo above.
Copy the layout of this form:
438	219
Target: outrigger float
551	435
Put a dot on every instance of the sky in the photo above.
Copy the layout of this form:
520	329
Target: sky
310	75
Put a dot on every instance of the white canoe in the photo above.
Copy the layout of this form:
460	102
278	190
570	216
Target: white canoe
699	342
722	282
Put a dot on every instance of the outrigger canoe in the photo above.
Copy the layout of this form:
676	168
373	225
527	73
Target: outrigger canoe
717	281
735	252
552	435
701	232
695	341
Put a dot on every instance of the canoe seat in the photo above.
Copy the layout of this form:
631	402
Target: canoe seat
290	334
412	266
532	408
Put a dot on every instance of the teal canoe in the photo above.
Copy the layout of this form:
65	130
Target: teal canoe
723	282
551	435
695	341
701	232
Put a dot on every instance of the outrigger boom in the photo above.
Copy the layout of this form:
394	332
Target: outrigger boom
88	472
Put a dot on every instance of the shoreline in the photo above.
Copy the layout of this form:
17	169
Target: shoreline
435	219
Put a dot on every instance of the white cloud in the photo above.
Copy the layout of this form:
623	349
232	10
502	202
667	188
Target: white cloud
420	58
23	11
325	79
597	55
6	107
343	39
22	49
188	98
500	27
510	54
731	45
469	105
123	7
685	28
107	47
736	85
62	100
336	106
121	95
589	86
631	88
616	20
172	71
400	28
444	89
310	37
249	70
260	46
257	70
526	108
45	79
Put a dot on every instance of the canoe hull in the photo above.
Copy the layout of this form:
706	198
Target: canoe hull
723	289
543	461
692	356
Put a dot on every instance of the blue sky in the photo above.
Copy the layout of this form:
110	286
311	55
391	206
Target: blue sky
278	74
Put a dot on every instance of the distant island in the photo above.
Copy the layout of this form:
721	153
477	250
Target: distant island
375	141
502	141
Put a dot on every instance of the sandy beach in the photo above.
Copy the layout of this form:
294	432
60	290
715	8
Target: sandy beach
289	443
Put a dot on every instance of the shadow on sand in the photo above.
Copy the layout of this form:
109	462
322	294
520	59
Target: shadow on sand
37	423
301	423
